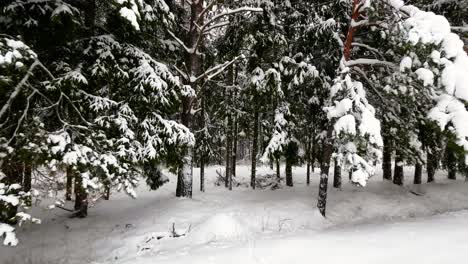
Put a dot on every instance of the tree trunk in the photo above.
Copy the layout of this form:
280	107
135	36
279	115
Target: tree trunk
228	152
184	176
81	198
68	192
254	149
324	170
278	171
387	159
398	176
202	173
27	177
288	168
308	156
431	164
107	188
337	175
194	66
234	148
451	164
417	173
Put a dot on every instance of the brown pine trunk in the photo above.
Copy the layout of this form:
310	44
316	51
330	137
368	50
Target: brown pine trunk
337	175
398	177
308	156
324	171
417	173
254	150
387	159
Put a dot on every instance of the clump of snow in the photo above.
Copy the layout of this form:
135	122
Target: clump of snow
406	64
9	233
426	76
130	16
220	227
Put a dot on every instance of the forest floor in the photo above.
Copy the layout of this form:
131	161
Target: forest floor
381	223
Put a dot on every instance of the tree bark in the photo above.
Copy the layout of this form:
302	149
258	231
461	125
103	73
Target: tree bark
81	197
288	168
417	173
68	192
228	152
451	164
27	177
278	171
308	156
387	159
254	149
234	147
398	177
337	175
194	66
202	173
324	171
431	164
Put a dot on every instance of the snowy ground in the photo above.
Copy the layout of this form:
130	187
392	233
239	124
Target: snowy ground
381	223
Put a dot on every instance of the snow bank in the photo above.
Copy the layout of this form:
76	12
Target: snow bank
220	227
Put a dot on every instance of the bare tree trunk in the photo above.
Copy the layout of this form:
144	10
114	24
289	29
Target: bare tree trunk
431	164
202	152
451	164
337	174
387	159
288	168
27	177
254	149
81	198
107	189
308	156
202	173
194	65
324	171
228	152
69	186
234	147
278	171
398	176
417	173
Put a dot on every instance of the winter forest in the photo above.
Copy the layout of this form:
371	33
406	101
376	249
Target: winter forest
233	131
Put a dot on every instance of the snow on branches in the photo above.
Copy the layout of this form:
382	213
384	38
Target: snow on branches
356	129
445	69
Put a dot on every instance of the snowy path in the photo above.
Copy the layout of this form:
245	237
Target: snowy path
438	239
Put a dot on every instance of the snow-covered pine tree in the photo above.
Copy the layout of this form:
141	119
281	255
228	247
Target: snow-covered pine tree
97	55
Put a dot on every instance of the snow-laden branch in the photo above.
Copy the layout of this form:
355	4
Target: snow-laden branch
214	71
18	87
181	43
207	26
463	29
371	62
355	44
232	12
